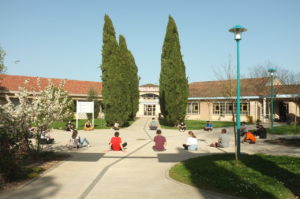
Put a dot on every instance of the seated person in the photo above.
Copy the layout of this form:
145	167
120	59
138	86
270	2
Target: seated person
191	142
243	129
88	126
76	141
223	140
182	127
249	137
116	126
153	124
46	137
261	132
159	141
116	143
69	126
208	127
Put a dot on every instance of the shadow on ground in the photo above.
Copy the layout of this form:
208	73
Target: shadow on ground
84	157
44	189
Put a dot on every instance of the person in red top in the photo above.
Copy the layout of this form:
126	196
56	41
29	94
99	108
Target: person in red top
116	143
249	137
159	141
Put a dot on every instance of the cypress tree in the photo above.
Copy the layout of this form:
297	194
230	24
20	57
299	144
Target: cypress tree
173	84
110	90
135	93
131	80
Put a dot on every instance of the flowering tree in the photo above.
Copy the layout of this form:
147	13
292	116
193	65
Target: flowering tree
35	108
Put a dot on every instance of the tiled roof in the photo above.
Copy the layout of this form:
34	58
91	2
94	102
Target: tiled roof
249	87
73	87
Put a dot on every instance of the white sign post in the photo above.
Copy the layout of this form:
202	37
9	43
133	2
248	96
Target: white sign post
84	107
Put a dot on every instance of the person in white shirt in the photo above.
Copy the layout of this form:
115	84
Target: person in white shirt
191	142
153	124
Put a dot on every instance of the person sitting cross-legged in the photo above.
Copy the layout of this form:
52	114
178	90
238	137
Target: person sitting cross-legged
69	126
46	137
182	127
243	129
116	126
116	143
153	124
159	141
88	126
223	140
191	142
261	132
208	127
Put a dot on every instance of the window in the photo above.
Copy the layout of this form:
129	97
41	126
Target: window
225	108
192	108
216	109
219	108
245	108
195	108
229	108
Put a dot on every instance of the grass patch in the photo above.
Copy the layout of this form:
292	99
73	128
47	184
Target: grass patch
99	124
285	130
254	176
197	124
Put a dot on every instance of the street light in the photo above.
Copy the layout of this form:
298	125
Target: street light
272	71
238	30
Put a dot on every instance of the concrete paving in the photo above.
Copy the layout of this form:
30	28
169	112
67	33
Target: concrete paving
140	172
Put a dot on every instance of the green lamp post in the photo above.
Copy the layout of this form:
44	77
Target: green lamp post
237	31
272	71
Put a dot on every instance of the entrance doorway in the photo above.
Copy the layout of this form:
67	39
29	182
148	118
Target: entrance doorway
283	111
149	109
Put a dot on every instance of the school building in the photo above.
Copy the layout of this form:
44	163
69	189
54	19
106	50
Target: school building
211	100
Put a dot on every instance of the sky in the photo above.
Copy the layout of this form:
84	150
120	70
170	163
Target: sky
63	38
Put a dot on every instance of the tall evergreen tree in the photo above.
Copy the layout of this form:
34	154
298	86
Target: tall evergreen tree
173	84
118	68
110	90
131	79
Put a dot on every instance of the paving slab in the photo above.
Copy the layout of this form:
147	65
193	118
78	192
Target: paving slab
140	172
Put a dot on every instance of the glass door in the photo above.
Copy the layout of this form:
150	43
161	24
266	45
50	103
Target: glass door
149	110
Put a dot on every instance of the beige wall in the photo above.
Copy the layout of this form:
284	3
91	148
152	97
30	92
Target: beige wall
294	109
206	112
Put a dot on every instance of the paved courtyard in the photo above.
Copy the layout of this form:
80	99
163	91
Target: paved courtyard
139	172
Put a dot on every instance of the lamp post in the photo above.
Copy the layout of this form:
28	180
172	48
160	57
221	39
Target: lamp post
272	71
238	30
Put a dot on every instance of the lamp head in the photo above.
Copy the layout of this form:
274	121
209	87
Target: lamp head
271	71
237	30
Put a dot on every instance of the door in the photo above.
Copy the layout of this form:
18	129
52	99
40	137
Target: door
283	111
149	110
